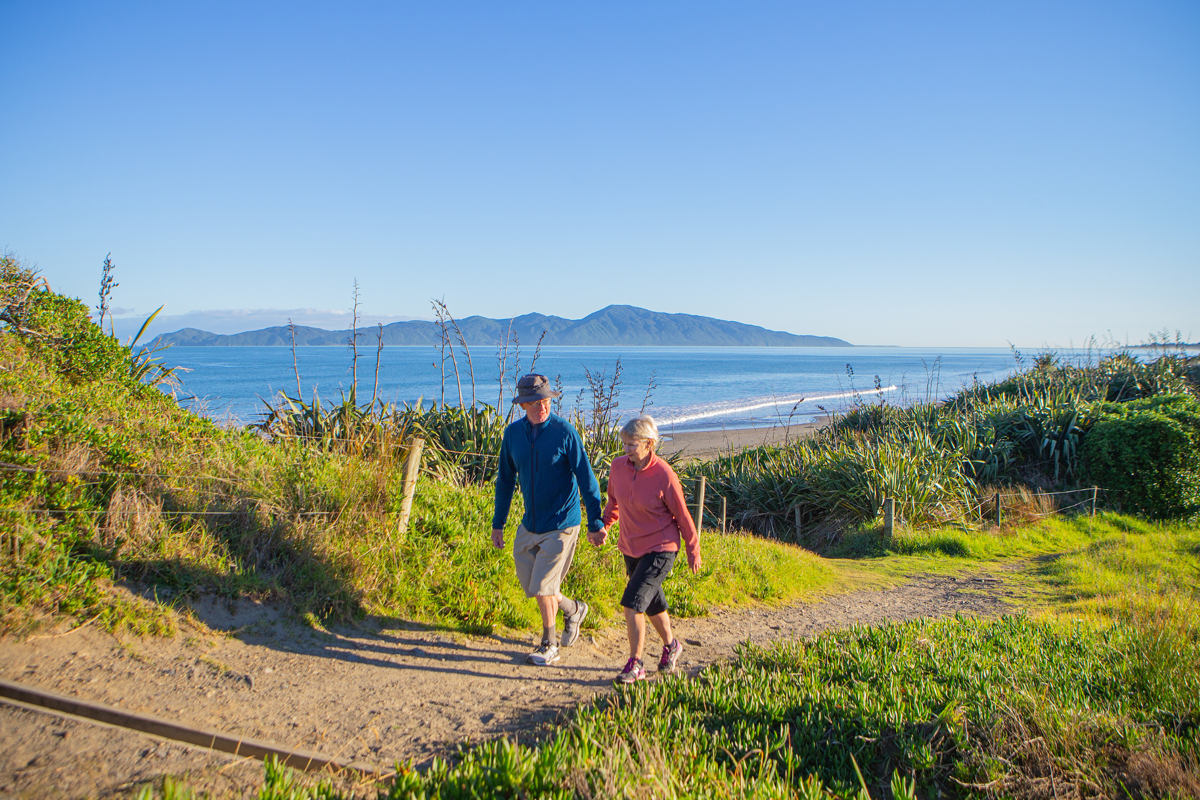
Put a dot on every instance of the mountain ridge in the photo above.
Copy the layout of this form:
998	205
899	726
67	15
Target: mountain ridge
612	325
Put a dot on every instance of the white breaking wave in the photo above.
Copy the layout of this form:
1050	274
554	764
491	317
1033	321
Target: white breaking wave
738	406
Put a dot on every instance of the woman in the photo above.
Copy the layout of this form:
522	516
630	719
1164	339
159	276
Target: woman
645	495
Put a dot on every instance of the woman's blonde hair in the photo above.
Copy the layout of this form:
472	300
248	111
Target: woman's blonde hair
642	426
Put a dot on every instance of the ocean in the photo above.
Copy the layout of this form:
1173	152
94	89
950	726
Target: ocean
685	388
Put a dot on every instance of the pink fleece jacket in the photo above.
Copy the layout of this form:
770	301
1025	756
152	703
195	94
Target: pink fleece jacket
650	506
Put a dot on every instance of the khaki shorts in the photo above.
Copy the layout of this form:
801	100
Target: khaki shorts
543	559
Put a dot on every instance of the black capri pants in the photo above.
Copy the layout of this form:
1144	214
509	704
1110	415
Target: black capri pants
644	593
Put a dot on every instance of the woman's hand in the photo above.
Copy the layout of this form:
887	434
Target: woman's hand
694	562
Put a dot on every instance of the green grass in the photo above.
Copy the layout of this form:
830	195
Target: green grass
1101	566
1129	568
1050	536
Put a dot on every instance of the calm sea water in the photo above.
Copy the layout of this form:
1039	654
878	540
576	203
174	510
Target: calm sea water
691	388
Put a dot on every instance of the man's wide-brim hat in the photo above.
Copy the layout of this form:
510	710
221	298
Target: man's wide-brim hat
532	388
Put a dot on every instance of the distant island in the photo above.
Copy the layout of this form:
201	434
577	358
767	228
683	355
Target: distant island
615	325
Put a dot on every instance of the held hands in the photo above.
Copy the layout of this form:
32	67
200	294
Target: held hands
498	538
599	537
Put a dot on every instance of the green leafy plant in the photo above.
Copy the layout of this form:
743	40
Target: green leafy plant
1147	452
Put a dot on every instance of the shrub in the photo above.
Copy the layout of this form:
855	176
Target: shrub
1148	453
58	328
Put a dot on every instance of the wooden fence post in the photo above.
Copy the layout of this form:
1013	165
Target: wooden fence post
722	513
1095	491
999	511
701	485
889	515
412	467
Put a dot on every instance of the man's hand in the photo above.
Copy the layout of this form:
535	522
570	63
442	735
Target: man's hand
498	538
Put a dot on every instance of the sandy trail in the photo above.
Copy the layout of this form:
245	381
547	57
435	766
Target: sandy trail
381	692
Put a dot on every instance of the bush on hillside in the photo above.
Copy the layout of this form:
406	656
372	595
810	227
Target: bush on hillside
58	328
1147	452
1118	377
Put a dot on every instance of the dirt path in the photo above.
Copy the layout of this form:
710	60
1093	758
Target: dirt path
380	693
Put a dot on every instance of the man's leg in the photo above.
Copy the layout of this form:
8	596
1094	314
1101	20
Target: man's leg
554	560
566	605
527	549
548	605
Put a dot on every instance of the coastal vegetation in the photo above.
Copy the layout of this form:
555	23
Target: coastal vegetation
110	493
1123	433
106	486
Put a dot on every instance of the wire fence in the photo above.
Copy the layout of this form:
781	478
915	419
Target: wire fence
4	466
975	509
108	473
436	445
157	511
700	505
408	483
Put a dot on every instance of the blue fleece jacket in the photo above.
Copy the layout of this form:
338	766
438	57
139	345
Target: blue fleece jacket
553	468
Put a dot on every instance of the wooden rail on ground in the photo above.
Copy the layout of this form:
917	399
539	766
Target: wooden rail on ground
31	697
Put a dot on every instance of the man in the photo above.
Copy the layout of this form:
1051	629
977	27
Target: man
546	453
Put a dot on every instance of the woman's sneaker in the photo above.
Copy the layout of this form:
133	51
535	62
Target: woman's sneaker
633	672
545	655
572	623
670	655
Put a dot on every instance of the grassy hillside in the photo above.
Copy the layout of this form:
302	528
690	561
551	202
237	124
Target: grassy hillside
106	479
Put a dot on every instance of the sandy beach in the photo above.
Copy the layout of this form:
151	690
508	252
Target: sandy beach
707	445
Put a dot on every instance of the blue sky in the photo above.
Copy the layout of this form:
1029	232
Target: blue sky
888	173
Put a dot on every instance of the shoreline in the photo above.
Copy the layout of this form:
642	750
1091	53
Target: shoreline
707	445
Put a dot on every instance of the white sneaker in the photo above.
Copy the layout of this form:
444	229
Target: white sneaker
545	655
